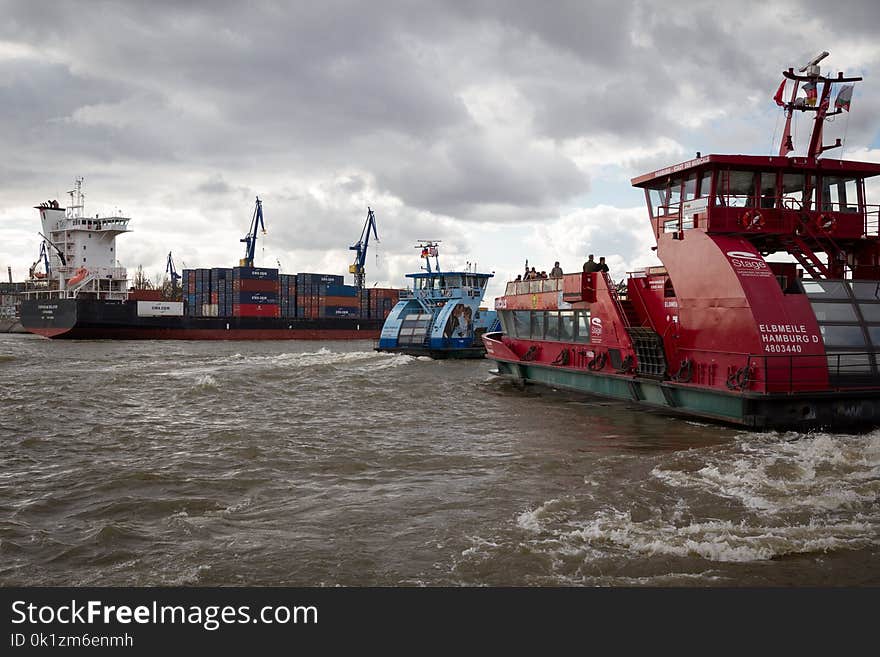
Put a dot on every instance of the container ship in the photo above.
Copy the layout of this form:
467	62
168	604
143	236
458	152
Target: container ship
765	312
83	293
441	316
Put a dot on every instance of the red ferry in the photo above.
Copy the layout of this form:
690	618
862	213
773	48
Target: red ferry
766	311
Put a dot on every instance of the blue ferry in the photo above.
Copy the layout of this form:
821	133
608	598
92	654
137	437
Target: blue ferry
440	314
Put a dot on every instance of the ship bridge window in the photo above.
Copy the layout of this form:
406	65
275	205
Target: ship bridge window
451	281
705	182
690	187
657	200
840	194
797	192
736	189
870	311
767	181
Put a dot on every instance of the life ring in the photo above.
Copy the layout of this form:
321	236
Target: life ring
752	220
826	223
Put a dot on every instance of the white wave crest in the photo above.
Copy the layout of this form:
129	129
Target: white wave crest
206	382
718	540
773	475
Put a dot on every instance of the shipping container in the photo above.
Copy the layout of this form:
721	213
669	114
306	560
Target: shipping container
319	279
255	285
241	273
338	301
341	291
255	297
338	311
255	310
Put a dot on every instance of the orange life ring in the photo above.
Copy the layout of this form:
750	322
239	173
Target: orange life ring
826	222
752	220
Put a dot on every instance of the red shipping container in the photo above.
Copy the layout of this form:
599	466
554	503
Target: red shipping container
254	285
256	310
144	295
339	301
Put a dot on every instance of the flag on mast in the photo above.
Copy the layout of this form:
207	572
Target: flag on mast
844	96
778	96
810	89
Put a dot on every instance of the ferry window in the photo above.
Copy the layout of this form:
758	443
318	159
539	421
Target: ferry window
842	336
521	326
538	325
566	326
870	311
869	290
690	187
768	189
506	323
583	326
675	194
552	327
840	194
797	193
657	196
834	312
705	184
451	281
825	289
671	226
736	189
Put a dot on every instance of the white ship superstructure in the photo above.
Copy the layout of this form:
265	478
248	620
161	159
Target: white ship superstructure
80	252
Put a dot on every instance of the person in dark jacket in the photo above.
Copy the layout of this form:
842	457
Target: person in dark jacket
556	272
591	265
602	266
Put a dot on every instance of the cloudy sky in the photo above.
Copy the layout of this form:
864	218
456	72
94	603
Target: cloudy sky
508	130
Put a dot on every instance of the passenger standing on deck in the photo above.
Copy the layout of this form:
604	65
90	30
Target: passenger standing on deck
590	265
556	272
602	266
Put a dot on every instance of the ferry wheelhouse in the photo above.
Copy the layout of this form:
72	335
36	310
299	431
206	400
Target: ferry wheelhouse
766	309
440	315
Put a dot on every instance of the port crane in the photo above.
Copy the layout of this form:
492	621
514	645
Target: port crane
250	239
172	272
360	249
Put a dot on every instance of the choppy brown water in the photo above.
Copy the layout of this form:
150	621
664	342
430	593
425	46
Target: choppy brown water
287	463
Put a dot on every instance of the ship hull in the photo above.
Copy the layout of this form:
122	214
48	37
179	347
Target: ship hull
852	409
82	319
439	354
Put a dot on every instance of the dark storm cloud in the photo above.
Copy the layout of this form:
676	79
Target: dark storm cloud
378	94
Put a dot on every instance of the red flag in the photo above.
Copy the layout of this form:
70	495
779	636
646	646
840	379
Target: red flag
778	96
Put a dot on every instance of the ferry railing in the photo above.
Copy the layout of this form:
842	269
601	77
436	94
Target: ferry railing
533	287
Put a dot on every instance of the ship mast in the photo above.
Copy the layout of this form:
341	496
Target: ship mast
810	75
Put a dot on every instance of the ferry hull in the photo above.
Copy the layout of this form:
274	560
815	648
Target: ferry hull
797	411
806	410
81	319
440	354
